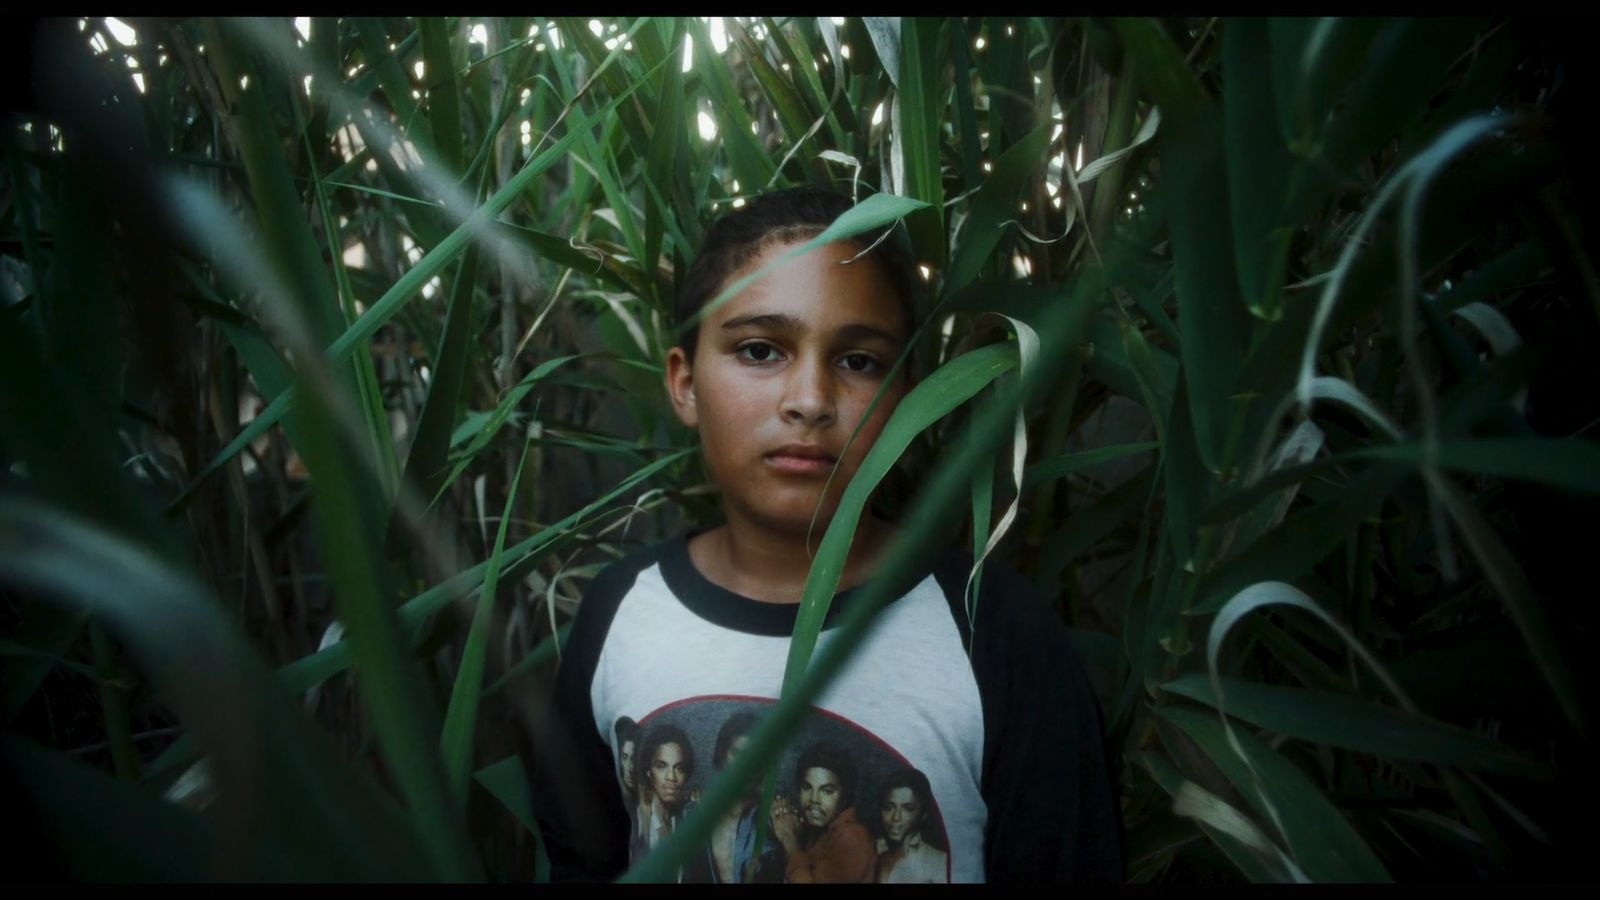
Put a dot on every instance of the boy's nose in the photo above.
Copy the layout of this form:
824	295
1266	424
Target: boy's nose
808	395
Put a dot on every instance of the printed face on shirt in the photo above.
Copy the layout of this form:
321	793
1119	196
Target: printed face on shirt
782	375
668	772
820	792
902	813
627	765
736	747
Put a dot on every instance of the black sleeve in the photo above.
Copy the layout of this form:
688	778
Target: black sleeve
576	798
1053	811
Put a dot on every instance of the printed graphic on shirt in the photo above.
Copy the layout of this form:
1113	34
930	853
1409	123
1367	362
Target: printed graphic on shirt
848	808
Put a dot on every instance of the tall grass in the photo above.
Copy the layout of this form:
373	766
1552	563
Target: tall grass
333	361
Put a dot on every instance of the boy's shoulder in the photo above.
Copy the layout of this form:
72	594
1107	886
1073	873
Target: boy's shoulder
1000	605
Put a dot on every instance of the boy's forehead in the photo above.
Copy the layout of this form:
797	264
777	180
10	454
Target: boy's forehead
825	284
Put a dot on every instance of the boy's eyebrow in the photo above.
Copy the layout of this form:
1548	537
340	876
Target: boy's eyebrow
775	321
855	331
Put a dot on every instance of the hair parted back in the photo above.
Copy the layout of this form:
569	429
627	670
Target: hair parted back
787	216
656	738
834	758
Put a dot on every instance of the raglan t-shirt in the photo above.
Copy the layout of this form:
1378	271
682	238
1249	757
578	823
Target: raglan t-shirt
954	746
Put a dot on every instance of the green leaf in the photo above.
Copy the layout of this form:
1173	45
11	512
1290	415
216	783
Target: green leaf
1061	467
393	300
994	206
1340	720
1161	66
289	242
444	109
310	671
461	717
348	519
1258	166
1239	838
1301	541
507	781
920	109
303	812
1522	605
1568	464
1318	836
46	633
1213	323
750	163
106	830
425	464
1090	523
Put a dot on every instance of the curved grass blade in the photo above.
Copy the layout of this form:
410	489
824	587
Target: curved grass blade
1319	838
1240	838
1340	720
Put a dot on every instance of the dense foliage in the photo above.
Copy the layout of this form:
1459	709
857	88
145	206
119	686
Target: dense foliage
332	371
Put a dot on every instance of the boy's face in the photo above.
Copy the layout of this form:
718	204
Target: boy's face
782	374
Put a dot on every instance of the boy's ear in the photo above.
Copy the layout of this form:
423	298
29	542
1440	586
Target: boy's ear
680	386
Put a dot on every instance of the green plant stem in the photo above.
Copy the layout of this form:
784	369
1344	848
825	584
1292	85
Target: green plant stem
114	704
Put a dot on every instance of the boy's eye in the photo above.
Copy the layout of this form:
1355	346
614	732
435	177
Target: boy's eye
862	363
757	351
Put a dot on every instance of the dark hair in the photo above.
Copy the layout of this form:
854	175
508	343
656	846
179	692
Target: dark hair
737	726
653	741
626	730
931	827
793	214
830	756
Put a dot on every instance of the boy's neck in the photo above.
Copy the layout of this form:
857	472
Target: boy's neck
772	568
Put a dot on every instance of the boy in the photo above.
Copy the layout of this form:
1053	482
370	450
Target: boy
695	632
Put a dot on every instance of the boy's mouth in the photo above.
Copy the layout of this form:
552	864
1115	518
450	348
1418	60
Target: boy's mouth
801	459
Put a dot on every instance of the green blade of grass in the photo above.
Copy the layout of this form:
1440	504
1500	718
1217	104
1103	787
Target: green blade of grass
105	830
1318	836
931	400
425	464
1258	166
444	108
1239	838
921	110
461	717
1340	720
300	811
348	521
994	205
1521	604
749	161
396	297
1061	467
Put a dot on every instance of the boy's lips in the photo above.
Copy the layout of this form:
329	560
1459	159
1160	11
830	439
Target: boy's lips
801	459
